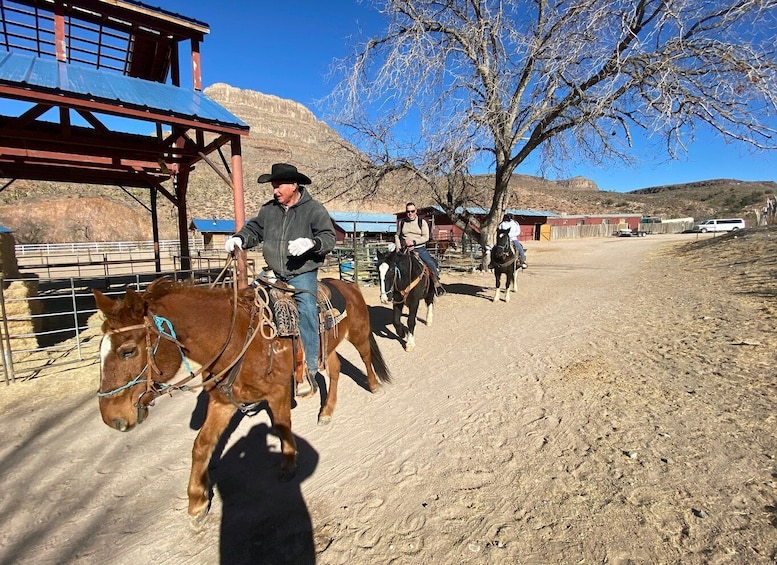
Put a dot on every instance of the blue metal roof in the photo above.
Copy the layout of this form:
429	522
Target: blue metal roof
371	227
112	87
213	225
362	217
364	222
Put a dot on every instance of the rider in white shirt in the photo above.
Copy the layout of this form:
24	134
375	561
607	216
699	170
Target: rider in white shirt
508	223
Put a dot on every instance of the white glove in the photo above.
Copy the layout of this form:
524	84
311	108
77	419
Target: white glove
232	243
300	245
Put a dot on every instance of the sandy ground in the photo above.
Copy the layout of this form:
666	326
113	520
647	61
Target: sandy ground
620	409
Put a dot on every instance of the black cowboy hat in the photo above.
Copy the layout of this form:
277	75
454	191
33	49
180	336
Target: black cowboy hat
284	171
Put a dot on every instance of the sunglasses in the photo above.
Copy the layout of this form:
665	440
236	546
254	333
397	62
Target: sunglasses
410	211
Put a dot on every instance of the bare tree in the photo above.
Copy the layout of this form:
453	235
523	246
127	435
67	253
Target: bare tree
451	84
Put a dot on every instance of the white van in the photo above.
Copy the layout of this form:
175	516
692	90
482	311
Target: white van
721	224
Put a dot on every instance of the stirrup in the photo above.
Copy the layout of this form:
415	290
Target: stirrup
307	388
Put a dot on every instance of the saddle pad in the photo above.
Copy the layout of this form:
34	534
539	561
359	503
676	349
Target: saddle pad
331	308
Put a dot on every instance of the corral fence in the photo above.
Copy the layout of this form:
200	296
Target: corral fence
605	230
48	320
360	262
47	314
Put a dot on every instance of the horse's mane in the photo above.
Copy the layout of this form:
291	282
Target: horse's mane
165	286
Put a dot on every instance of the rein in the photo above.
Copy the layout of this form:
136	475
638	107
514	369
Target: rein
156	388
506	249
413	283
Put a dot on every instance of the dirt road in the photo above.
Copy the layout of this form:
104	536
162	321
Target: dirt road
620	409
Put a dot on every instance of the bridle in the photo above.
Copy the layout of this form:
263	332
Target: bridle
506	249
261	316
397	276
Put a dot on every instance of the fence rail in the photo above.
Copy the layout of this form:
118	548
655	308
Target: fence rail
84	248
47	321
48	313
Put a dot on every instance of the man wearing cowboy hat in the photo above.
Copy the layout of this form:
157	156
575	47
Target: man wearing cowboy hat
297	233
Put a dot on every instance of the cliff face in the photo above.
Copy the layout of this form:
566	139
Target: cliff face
286	131
280	129
578	184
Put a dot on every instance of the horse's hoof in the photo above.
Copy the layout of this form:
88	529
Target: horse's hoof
378	391
324	420
197	521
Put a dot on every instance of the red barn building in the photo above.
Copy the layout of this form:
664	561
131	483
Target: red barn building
442	227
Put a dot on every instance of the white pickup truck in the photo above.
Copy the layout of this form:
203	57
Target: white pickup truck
628	232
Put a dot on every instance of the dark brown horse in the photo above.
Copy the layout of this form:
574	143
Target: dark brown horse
404	281
146	337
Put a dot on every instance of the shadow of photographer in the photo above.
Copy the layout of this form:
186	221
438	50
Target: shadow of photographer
263	519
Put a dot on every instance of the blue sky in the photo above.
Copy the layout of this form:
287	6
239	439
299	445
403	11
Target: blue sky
286	49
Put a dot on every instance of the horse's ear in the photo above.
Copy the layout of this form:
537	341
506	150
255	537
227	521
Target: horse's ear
104	303
134	301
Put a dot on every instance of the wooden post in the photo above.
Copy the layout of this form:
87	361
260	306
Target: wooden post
238	200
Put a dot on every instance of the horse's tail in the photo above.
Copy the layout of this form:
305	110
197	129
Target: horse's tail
378	363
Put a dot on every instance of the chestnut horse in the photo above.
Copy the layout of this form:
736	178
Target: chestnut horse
504	262
232	335
439	248
405	280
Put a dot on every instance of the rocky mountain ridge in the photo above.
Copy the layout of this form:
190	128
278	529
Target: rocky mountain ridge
287	131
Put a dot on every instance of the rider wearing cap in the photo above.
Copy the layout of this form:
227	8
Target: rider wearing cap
509	223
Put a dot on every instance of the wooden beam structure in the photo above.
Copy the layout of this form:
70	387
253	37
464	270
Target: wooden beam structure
90	61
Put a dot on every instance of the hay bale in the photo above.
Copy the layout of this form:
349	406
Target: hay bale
8	256
20	312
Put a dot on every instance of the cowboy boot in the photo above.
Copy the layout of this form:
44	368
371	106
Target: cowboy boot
438	288
308	387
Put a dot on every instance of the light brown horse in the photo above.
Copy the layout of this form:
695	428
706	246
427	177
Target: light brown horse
146	337
439	248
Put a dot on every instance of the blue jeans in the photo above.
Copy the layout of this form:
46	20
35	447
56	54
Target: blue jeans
423	253
521	252
307	305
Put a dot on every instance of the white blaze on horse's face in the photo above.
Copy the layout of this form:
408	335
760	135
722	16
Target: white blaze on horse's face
383	269
105	350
